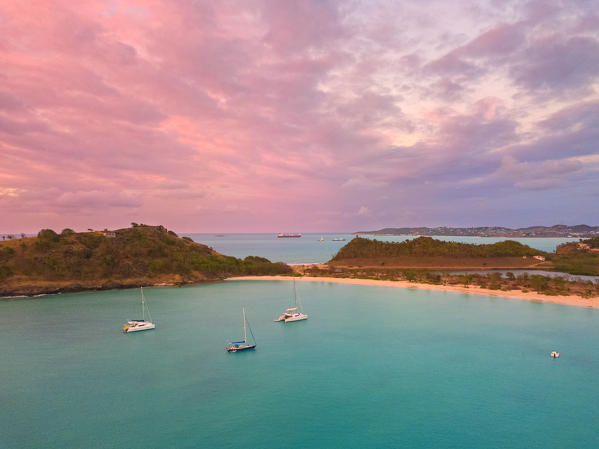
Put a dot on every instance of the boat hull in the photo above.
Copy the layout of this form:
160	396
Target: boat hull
140	327
297	317
240	348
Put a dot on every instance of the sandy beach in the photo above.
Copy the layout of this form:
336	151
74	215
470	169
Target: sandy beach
571	300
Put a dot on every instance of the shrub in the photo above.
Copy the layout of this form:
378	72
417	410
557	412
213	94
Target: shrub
5	271
47	235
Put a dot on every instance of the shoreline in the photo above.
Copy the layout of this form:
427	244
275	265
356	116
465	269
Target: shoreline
571	300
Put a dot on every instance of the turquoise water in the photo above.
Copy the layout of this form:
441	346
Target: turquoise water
373	367
308	248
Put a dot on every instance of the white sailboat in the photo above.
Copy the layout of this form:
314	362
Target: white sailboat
293	313
140	325
321	239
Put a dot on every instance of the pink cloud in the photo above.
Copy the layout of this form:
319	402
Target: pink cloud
262	115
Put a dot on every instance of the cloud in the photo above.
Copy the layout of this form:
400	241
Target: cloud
364	211
174	111
92	199
558	64
469	60
540	176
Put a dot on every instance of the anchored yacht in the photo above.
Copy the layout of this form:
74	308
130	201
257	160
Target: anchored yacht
293	313
140	325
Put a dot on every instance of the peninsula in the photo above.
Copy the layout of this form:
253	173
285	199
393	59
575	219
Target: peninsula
137	256
426	263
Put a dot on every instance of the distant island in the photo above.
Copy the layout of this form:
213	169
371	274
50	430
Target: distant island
578	231
97	260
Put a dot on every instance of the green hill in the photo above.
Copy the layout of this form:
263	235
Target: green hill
140	255
578	257
581	258
429	247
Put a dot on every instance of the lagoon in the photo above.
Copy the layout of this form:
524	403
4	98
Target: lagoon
372	367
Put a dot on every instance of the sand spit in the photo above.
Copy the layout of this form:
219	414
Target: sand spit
570	300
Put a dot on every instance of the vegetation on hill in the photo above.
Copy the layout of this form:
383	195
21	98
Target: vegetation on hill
578	257
427	246
146	254
509	281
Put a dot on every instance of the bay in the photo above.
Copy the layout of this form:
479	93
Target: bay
372	367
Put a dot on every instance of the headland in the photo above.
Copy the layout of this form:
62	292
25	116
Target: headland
124	258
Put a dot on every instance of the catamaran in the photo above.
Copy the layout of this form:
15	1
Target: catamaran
140	325
242	345
293	314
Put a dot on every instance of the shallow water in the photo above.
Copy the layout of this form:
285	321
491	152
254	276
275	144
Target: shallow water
372	367
308	248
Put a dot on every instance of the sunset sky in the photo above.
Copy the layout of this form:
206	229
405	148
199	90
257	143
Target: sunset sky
298	116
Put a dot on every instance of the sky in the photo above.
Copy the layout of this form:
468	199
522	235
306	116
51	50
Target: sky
298	116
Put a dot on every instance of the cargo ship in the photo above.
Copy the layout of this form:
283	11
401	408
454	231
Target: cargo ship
288	236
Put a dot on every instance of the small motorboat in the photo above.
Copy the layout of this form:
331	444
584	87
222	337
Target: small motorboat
554	354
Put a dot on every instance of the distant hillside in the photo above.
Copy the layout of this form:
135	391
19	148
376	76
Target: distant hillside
578	257
494	231
429	247
426	253
140	255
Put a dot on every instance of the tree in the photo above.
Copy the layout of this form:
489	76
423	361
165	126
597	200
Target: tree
47	235
467	279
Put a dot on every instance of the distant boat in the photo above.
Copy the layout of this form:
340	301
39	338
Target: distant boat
288	236
321	239
293	314
338	239
219	235
140	325
242	345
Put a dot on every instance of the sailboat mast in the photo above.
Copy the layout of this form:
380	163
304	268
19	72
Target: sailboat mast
294	293
245	339
143	305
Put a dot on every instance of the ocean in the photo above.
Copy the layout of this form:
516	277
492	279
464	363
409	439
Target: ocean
372	367
308	249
